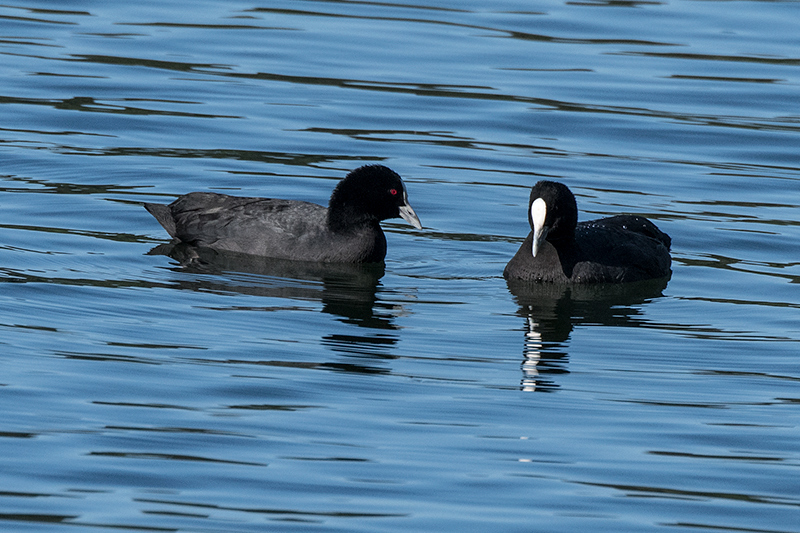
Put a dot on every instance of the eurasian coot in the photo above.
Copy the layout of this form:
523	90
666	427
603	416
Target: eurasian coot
347	231
616	249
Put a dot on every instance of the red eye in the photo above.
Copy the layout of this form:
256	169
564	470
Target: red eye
393	192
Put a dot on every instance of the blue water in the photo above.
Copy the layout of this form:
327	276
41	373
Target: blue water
138	394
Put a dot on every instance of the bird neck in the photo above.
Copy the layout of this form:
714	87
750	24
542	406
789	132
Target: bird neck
344	218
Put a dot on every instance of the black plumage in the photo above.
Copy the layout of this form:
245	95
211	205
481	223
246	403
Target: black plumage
347	231
616	249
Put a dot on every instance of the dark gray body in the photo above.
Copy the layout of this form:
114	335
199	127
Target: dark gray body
285	229
617	249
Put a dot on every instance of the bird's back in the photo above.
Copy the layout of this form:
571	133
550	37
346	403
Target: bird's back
621	248
616	249
287	229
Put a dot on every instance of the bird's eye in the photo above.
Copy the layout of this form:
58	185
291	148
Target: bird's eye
393	192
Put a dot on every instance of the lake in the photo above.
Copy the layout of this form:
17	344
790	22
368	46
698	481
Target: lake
140	392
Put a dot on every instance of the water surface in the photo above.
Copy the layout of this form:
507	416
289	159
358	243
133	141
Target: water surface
143	393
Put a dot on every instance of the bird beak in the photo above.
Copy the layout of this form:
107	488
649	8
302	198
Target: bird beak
408	213
539	236
538	215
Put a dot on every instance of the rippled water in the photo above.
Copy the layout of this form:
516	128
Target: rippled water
426	394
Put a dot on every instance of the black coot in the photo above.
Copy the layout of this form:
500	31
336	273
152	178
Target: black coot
616	249
347	231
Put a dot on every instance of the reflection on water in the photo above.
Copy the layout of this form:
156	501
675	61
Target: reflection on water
552	311
346	291
142	397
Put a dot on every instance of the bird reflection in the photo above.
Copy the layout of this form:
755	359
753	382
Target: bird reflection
552	311
346	291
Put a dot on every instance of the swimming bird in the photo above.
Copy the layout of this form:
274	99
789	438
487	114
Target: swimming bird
347	231
615	249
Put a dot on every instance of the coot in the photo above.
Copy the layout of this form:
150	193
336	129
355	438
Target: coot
616	249
347	231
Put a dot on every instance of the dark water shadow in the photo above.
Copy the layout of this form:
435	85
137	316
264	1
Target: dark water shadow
346	291
552	311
